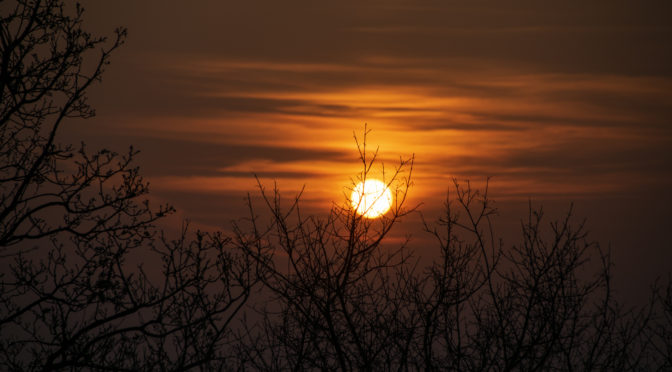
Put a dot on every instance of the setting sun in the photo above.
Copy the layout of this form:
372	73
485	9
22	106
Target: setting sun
371	198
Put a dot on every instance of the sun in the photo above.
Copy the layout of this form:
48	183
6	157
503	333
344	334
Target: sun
371	198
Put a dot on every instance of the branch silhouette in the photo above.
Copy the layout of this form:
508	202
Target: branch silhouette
340	299
74	224
284	290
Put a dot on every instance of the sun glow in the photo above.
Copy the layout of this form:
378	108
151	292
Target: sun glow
371	198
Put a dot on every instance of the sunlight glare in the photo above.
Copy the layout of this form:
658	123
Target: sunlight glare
371	198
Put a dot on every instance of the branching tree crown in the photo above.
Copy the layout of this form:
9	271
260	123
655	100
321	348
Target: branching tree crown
45	72
74	229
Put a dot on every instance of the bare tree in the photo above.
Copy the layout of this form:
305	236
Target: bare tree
75	230
342	299
337	299
660	329
336	295
43	81
538	305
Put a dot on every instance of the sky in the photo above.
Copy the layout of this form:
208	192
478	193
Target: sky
559	102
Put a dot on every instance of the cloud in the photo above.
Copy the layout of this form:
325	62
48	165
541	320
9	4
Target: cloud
567	91
189	158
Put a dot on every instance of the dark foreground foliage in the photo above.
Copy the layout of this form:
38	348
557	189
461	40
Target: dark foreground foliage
284	291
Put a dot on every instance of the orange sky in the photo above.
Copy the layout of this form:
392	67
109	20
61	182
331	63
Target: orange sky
558	102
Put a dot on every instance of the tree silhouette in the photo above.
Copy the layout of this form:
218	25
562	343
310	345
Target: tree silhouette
73	225
534	306
284	291
340	299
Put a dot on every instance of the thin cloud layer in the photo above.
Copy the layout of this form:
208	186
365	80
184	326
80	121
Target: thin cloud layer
565	101
568	99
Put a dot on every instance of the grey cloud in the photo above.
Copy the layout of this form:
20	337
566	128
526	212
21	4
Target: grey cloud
648	108
175	157
564	36
182	158
587	158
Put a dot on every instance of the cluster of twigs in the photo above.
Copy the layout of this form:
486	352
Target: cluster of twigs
283	291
